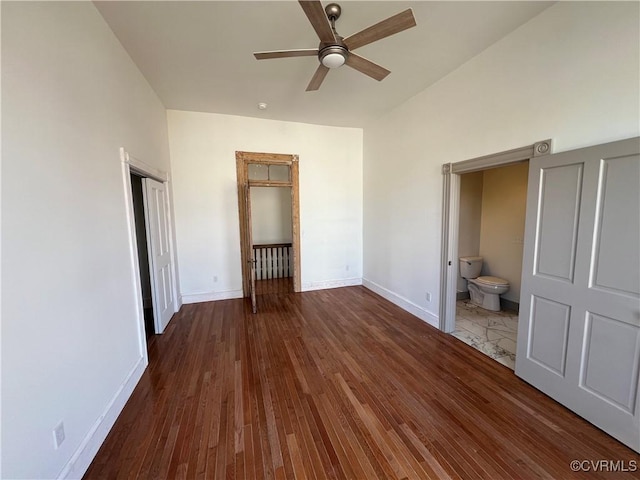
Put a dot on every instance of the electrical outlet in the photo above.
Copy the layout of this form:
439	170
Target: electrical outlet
215	279
427	295
58	435
347	268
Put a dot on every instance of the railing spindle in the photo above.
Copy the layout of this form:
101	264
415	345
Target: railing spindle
273	260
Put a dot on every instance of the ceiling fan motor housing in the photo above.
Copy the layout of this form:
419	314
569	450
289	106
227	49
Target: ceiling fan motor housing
333	55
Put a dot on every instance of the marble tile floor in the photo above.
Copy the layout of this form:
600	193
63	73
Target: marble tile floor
493	333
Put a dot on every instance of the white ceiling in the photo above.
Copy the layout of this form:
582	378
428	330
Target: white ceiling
197	56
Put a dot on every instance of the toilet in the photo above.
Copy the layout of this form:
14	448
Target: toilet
485	291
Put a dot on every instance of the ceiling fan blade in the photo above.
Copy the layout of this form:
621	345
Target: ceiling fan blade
286	53
385	28
367	67
318	18
317	78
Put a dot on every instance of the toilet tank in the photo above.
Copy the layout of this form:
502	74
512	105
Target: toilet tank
470	267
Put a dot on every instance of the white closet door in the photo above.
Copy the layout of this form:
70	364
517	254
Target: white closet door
157	221
579	330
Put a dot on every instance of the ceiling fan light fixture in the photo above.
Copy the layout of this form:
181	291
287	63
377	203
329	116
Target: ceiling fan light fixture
335	51
333	56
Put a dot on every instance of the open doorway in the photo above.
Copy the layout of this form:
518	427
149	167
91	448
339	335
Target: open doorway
137	197
146	191
484	212
268	207
490	246
272	235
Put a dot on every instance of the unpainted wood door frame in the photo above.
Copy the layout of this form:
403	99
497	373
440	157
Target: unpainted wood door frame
243	159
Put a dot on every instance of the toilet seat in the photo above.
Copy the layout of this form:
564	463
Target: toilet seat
491	281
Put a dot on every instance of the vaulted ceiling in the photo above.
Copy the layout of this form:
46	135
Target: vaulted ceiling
198	56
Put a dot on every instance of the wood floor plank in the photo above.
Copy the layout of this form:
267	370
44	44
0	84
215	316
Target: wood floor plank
337	384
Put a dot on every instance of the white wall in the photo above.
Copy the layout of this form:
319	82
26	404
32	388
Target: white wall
203	162
571	74
470	219
504	204
71	97
271	215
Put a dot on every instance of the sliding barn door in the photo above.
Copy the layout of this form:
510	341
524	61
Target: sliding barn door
579	330
157	220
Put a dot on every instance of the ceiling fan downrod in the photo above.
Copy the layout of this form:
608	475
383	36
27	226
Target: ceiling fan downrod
334	54
333	11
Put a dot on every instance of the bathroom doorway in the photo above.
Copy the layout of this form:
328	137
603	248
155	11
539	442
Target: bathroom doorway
490	244
485	211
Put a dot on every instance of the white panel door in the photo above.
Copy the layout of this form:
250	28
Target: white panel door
157	222
579	327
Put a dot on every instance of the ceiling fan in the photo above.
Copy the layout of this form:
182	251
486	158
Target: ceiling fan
335	51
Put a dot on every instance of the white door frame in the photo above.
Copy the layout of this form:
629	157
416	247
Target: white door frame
451	215
131	165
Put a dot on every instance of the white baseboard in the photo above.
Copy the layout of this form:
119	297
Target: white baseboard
211	296
229	294
178	303
403	303
83	456
324	284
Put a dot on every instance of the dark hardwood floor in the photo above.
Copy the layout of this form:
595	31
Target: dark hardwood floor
274	285
336	384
